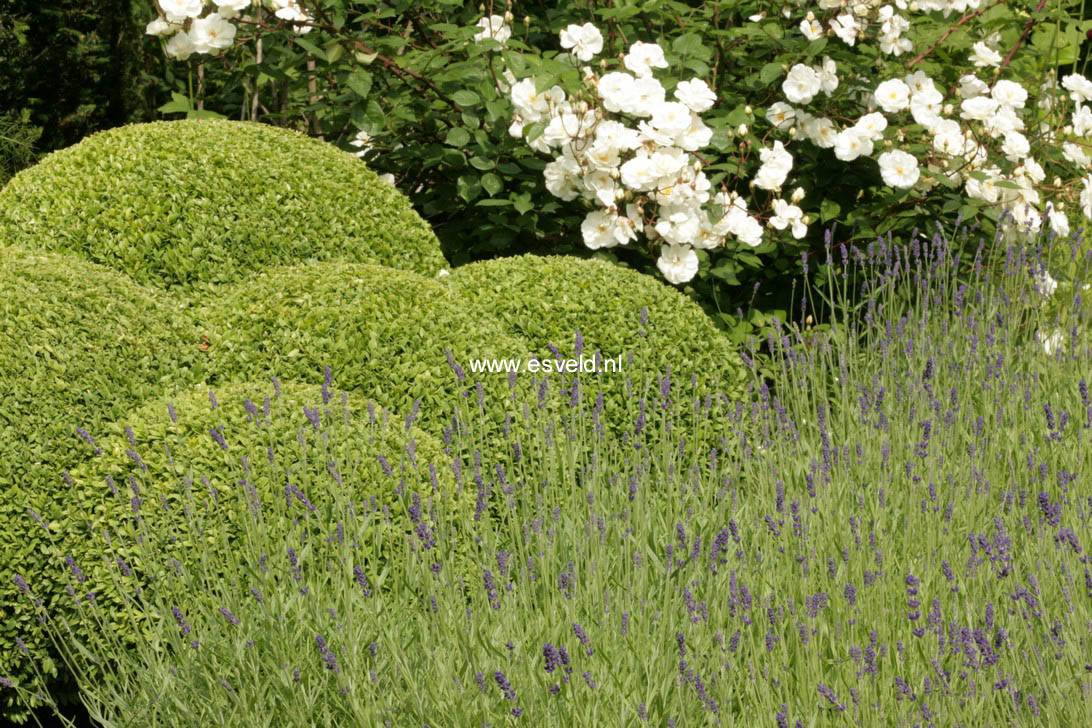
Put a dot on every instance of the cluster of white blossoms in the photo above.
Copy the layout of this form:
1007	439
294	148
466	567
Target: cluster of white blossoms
630	156
192	31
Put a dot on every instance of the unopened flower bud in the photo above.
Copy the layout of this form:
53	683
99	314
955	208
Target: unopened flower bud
526	19
614	173
1057	181
797	195
481	8
1061	206
582	107
748	110
948	108
792	132
742	129
806	219
619	194
697	166
508	17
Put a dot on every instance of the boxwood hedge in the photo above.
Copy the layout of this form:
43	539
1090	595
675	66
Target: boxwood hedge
80	345
206	457
185	203
545	300
386	333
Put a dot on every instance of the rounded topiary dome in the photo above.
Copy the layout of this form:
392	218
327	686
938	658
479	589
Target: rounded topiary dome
386	334
82	346
200	465
619	312
187	203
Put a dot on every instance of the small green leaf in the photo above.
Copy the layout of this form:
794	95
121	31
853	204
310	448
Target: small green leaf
492	183
465	97
457	137
828	210
468	187
360	82
770	73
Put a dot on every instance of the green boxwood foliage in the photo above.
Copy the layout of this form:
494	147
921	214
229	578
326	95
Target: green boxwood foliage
185	203
80	345
386	334
191	486
545	300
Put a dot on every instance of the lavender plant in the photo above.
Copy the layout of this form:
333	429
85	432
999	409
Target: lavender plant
898	536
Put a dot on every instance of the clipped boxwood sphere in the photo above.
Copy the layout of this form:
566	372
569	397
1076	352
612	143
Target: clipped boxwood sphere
619	312
80	345
190	459
386	334
187	203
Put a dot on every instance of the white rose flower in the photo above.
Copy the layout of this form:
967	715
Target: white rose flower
696	136
211	34
617	135
598	230
649	94
776	164
781	115
1075	154
828	76
180	46
707	238
671	117
696	94
561	176
158	27
920	83
850	144
1034	170
801	84
978	108
872	125
899	169
584	40
678	263
1079	87
600	185
493	27
982	55
893	95
602	156
1010	93
845	27
618	91
786	214
1082	120
363	141
821	132
639	174
749	231
970	86
679	224
811	28
1016	146
643	57
1059	223
1050	344
231	8
178	11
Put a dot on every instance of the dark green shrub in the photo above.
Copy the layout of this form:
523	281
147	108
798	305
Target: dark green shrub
385	332
267	439
81	346
618	312
188	203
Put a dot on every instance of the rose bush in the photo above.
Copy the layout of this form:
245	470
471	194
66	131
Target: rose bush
868	111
